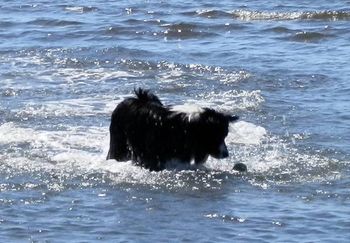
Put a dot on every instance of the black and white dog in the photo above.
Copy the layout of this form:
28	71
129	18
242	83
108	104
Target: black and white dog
150	134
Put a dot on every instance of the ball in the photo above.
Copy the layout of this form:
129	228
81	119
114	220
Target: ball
240	167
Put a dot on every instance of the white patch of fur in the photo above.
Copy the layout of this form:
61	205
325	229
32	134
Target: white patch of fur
191	111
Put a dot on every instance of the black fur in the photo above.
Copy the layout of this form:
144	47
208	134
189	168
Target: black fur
144	130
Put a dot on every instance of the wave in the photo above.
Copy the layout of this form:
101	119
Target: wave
186	31
9	92
211	13
7	24
327	15
80	9
247	15
157	28
53	22
230	101
307	36
280	29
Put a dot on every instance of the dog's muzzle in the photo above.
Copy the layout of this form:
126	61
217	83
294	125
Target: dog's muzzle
222	152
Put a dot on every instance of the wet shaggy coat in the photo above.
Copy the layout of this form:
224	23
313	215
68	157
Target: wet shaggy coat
145	131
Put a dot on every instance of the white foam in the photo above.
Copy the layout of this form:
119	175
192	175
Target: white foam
246	133
187	108
234	77
192	111
230	100
97	75
80	9
66	140
264	15
81	150
60	75
71	107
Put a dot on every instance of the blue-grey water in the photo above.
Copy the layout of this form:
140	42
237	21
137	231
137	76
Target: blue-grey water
282	66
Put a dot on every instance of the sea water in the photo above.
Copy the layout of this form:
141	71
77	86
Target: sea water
282	66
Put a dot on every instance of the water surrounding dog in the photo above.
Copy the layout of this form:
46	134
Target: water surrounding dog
150	134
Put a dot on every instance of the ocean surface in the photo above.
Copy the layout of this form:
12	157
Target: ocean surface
282	66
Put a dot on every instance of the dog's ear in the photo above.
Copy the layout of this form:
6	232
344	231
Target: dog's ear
232	118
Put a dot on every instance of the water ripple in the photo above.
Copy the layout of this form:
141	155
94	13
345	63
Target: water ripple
44	22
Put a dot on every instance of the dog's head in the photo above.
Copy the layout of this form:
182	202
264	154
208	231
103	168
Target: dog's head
214	127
